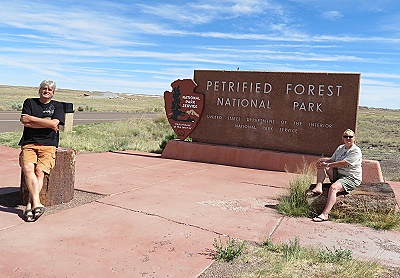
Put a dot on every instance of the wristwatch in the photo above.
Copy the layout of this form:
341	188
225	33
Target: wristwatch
327	164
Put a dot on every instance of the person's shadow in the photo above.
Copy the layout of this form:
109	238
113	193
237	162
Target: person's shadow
10	201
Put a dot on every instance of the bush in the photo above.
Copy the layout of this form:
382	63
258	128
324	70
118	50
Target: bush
228	251
165	140
334	256
16	106
295	203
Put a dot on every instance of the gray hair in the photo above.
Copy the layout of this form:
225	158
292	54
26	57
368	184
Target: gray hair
49	83
349	131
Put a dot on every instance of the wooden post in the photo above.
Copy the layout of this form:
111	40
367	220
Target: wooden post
58	186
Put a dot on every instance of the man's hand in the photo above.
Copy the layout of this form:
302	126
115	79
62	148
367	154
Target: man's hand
326	163
35	122
322	163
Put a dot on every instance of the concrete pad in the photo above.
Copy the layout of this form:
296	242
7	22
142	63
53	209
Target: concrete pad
365	243
10	217
225	207
8	153
127	171
160	219
114	183
102	242
250	176
9	169
9	182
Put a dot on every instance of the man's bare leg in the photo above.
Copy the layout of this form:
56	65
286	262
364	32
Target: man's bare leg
330	202
321	175
34	182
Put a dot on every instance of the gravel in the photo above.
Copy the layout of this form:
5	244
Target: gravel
13	200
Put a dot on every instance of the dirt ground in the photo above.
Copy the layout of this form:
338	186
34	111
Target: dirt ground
391	167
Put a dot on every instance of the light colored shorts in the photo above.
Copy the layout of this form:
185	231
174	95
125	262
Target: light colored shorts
348	182
43	156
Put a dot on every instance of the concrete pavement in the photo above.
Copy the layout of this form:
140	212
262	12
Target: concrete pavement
159	219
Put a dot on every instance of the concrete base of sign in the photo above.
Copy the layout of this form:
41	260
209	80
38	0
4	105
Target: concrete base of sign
372	172
254	158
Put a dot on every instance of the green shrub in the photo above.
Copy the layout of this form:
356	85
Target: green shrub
295	203
228	251
87	108
334	256
292	250
16	106
165	140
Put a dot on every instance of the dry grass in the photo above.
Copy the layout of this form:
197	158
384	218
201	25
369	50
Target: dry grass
378	136
291	260
13	96
143	135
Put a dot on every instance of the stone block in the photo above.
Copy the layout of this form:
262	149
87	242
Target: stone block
371	197
293	112
372	172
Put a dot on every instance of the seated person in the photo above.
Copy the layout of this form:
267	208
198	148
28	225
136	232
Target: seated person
343	169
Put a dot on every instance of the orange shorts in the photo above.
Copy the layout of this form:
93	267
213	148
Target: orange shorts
43	156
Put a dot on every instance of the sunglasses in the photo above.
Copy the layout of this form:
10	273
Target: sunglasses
348	136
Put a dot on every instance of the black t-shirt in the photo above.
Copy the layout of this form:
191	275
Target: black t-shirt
42	136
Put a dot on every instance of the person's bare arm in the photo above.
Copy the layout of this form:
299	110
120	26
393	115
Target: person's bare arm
35	122
334	164
338	164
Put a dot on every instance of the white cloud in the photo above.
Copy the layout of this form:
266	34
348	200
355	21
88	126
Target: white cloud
379	96
380	75
332	15
201	12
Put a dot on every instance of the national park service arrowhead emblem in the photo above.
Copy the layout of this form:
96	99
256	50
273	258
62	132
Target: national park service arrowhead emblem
183	107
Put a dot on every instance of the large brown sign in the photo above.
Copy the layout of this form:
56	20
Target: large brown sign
284	111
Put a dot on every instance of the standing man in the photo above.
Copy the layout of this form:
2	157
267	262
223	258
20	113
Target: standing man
41	118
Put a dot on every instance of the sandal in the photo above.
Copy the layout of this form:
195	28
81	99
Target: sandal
28	216
319	219
311	194
37	212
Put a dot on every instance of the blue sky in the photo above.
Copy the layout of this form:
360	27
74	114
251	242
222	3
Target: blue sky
141	47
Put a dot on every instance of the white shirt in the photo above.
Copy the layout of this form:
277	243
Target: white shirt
353	156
